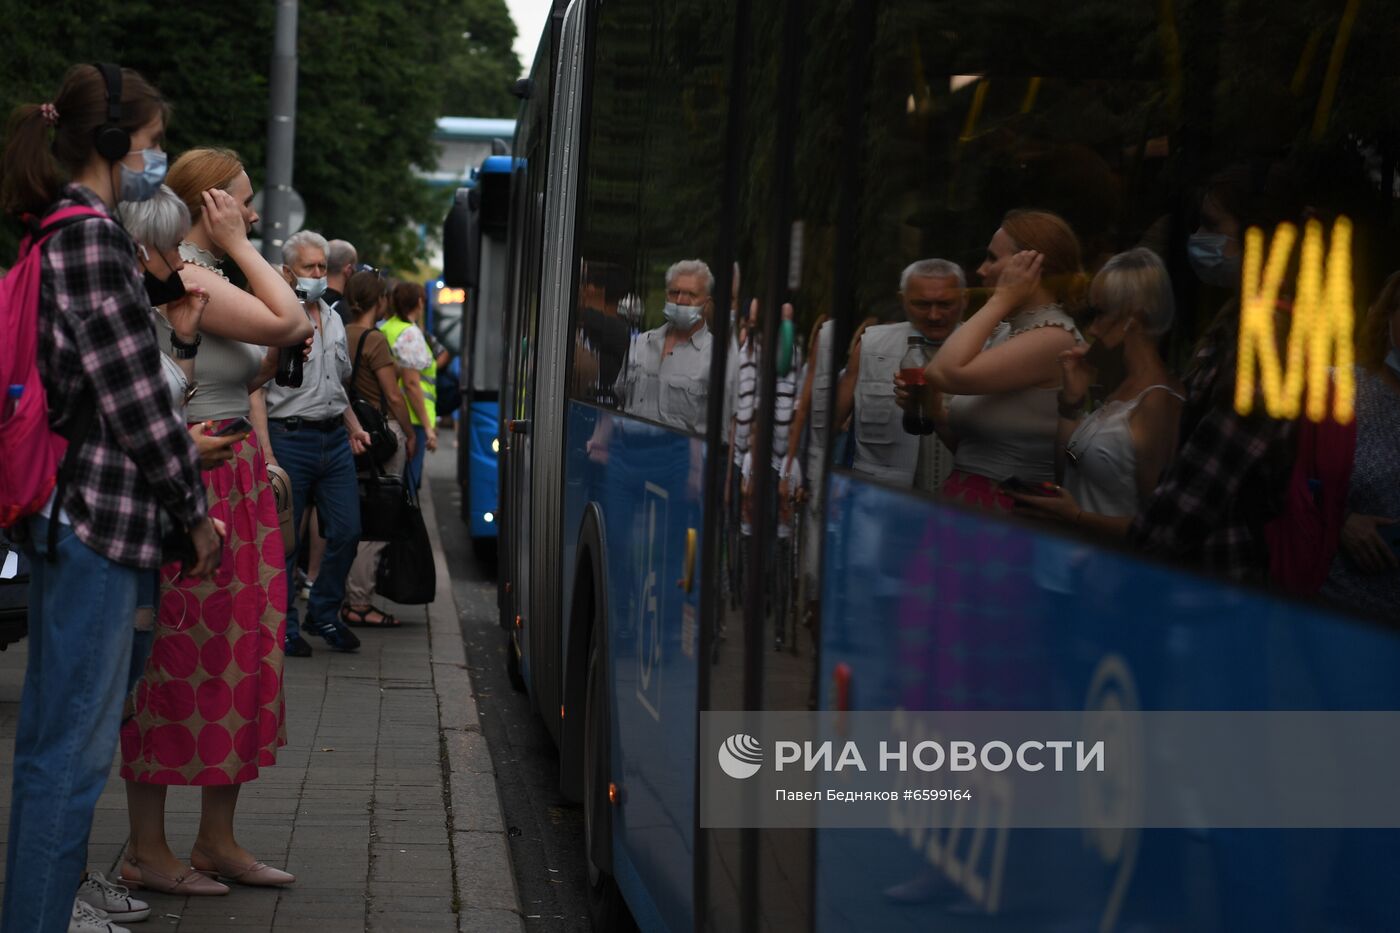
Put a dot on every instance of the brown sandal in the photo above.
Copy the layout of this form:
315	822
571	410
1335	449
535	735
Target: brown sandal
362	617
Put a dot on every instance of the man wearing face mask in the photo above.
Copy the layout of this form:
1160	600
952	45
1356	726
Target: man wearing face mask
668	379
315	435
933	296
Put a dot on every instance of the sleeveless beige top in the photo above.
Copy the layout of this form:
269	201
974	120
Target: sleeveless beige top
1011	433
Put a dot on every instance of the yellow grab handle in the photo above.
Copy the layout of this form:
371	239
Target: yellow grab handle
687	582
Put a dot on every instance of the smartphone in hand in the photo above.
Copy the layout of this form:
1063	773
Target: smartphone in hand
1023	487
236	426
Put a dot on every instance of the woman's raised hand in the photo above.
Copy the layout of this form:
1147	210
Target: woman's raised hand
1020	277
1077	375
184	313
223	219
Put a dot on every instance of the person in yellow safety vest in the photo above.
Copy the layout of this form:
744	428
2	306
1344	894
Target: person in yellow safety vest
417	370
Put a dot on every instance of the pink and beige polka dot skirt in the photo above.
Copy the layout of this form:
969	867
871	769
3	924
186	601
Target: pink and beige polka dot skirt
209	708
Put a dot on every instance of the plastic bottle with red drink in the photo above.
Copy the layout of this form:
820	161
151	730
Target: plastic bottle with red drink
917	420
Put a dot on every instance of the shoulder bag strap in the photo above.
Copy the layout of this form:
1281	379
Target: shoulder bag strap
359	349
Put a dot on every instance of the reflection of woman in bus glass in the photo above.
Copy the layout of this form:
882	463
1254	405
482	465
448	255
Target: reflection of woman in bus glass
1227	478
1003	363
1111	458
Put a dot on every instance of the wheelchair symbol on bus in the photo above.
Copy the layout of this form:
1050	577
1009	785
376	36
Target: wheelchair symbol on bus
652	605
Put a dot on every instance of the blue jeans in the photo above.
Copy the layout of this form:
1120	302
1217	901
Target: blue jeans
413	473
80	611
322	470
147	597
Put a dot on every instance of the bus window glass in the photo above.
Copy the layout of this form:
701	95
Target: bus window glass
650	221
1050	252
1092	170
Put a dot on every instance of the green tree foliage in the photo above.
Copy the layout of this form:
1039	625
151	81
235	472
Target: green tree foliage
479	66
373	78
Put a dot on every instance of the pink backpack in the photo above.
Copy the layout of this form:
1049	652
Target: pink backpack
1304	538
30	451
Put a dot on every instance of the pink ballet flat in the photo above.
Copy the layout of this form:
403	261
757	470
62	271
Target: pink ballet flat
192	883
254	874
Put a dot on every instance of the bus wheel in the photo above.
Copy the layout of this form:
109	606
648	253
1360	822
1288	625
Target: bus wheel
606	909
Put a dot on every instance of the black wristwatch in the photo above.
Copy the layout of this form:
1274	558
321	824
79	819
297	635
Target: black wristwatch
182	350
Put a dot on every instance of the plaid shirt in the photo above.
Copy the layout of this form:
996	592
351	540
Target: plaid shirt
97	342
1226	481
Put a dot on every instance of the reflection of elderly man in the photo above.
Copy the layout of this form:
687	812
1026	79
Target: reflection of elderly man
668	379
933	294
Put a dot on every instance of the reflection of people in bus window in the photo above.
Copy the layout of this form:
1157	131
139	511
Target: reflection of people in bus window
1214	248
603	333
1003	363
1366	574
1227	479
1112	458
933	294
741	377
668	380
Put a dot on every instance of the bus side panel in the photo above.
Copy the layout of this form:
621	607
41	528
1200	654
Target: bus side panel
929	607
482	420
643	481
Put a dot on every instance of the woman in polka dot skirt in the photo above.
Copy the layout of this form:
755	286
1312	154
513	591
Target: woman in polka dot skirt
208	710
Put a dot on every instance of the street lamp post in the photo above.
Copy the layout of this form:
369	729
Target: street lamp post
281	132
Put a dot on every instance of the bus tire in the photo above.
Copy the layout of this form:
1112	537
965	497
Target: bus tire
606	909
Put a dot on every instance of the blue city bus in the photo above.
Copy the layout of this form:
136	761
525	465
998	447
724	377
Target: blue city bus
808	153
474	264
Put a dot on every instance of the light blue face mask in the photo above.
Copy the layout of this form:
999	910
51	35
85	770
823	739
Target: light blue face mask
314	288
682	317
143	185
1207	254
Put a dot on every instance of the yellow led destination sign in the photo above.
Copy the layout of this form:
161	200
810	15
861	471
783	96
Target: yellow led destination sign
1321	333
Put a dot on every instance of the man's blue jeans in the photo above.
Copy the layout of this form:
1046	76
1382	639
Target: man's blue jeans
80	622
322	471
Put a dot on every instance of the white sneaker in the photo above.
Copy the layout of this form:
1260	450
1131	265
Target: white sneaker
88	919
114	900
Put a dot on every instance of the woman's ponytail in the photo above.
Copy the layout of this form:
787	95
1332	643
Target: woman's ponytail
46	145
30	177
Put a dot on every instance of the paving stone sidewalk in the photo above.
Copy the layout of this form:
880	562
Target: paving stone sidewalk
383	802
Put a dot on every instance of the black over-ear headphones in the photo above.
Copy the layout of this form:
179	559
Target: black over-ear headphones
110	140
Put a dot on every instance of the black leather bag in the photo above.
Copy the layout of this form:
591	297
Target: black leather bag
176	542
406	571
382	442
385	506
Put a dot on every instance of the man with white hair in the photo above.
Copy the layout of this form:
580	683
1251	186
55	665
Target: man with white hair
933	295
668	379
314	435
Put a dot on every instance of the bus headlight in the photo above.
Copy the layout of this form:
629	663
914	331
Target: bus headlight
488	517
495	445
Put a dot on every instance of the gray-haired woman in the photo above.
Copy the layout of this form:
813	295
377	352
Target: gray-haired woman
157	225
1111	458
